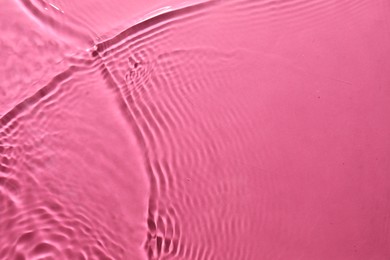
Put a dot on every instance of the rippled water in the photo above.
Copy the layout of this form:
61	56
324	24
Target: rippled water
195	130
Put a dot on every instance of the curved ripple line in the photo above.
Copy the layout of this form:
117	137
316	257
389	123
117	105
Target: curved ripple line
155	20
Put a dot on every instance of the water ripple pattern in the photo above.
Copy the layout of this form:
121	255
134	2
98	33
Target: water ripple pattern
194	130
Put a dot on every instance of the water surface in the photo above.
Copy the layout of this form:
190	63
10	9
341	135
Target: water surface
194	130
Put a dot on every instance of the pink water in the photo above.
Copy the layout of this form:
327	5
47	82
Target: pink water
195	130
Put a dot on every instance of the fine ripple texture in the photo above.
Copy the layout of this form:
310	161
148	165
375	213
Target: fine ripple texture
194	130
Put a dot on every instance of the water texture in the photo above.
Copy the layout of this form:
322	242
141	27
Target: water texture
178	129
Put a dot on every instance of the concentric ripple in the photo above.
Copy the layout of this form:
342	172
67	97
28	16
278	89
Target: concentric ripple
203	130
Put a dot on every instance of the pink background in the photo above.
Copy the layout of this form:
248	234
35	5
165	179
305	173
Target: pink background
195	130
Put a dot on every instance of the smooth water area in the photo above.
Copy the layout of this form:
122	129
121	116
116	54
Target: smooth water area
177	129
